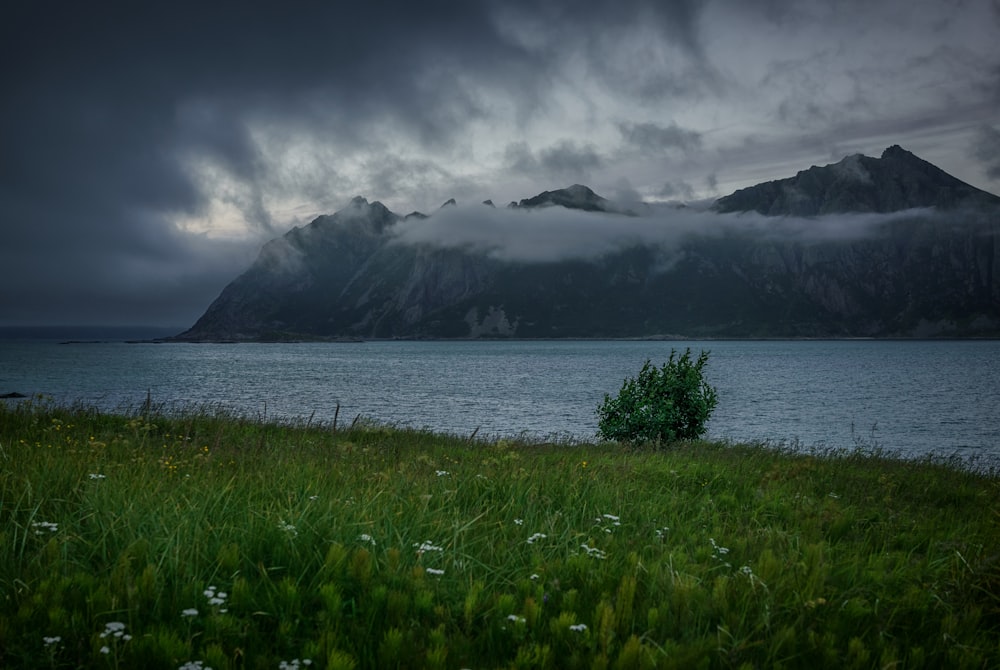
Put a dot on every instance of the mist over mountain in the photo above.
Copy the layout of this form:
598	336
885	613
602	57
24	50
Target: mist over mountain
865	247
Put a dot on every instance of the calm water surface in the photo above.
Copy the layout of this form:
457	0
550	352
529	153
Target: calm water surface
914	397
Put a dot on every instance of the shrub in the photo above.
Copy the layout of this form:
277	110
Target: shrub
660	405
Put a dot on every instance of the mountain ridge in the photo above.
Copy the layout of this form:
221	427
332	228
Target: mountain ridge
925	267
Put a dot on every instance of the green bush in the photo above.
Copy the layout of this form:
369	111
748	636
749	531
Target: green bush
660	405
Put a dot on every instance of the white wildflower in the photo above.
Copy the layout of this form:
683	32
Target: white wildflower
426	546
49	641
515	618
578	627
434	571
536	537
718	550
190	611
95	475
441	473
365	537
534	577
594	552
518	522
114	629
42	526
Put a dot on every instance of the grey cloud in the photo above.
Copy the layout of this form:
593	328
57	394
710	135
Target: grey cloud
653	138
569	158
641	48
557	233
987	150
564	158
677	189
118	119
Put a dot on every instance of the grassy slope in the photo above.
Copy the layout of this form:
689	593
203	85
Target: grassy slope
327	546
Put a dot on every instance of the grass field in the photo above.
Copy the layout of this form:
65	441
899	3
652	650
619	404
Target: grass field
214	541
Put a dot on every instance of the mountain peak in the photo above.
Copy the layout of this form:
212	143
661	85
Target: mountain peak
896	151
576	196
896	181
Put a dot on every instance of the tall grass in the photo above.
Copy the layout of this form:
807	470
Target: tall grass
207	540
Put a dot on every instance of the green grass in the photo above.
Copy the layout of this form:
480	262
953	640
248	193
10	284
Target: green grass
380	547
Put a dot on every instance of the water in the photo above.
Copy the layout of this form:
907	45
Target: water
923	397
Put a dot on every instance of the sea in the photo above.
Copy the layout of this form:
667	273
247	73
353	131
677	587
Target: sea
909	398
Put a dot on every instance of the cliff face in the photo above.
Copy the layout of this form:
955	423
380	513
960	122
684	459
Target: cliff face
928	270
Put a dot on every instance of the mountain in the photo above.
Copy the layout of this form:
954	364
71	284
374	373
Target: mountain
866	247
896	181
576	196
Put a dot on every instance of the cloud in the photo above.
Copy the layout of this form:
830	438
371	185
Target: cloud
678	189
565	158
153	134
557	233
654	138
987	150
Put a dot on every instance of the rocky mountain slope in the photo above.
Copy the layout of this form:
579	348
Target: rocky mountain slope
866	247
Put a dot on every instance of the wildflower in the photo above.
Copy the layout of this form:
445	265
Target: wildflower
518	522
95	475
288	528
294	664
313	497
194	665
612	518
426	546
42	526
105	649
434	571
578	628
537	536
534	577
49	641
594	552
365	537
747	570
661	532
190	611
441	473
216	597
515	618
717	550
833	495
115	629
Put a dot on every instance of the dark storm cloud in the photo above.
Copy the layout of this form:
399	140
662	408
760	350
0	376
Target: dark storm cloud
107	107
134	135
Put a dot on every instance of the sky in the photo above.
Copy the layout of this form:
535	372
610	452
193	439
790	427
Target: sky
149	149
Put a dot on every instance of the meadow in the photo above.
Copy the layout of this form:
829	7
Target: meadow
208	540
